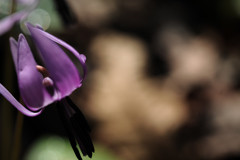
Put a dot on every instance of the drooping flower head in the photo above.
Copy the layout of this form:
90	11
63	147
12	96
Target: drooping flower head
38	91
40	87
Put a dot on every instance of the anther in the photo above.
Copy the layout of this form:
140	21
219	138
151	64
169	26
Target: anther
43	71
47	82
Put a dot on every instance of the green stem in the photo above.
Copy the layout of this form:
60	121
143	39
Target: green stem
13	6
19	121
17	137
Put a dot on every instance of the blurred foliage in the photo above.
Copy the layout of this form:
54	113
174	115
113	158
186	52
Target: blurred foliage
53	147
55	21
56	24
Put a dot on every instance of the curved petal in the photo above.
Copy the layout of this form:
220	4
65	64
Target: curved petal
62	70
29	79
16	104
7	22
81	57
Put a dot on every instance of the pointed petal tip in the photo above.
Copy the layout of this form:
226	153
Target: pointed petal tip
39	27
83	57
29	26
12	41
20	37
14	50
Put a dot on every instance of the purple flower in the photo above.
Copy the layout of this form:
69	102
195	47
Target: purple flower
40	87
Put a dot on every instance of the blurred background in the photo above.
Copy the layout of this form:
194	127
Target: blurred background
163	80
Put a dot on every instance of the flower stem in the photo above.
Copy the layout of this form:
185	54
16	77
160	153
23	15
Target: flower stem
13	6
17	137
19	121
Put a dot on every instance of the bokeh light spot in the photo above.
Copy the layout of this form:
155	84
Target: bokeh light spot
40	16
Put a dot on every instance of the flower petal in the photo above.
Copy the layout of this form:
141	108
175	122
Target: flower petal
62	70
47	97
15	103
29	79
7	22
14	50
81	57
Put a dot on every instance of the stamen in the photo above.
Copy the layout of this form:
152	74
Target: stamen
69	130
81	127
43	71
47	82
77	127
49	85
80	114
